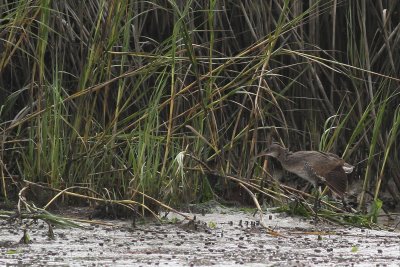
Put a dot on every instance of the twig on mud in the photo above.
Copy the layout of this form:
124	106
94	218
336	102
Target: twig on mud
66	192
119	202
262	223
165	206
22	200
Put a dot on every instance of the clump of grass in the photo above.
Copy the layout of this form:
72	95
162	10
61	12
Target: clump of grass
107	95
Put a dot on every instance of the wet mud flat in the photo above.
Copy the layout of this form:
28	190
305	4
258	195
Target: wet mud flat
221	238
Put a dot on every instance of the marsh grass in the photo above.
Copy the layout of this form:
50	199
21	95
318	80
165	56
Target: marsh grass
108	94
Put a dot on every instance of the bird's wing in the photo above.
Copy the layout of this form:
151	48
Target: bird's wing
312	173
337	180
348	168
333	176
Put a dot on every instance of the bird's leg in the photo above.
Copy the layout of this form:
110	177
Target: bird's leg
317	201
317	185
346	205
318	179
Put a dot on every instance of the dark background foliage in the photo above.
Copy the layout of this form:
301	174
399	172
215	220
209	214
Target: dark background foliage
109	94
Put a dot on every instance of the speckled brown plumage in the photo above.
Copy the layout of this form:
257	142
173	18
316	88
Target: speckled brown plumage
314	166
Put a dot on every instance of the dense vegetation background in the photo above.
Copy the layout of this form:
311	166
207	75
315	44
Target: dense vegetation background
131	96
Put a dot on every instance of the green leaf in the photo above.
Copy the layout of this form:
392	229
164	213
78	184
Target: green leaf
375	209
212	225
12	252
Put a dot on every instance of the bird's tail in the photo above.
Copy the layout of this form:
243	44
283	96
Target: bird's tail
337	181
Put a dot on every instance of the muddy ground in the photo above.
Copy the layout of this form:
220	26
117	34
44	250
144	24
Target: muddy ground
222	238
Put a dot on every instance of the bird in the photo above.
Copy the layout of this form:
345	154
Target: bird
315	167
